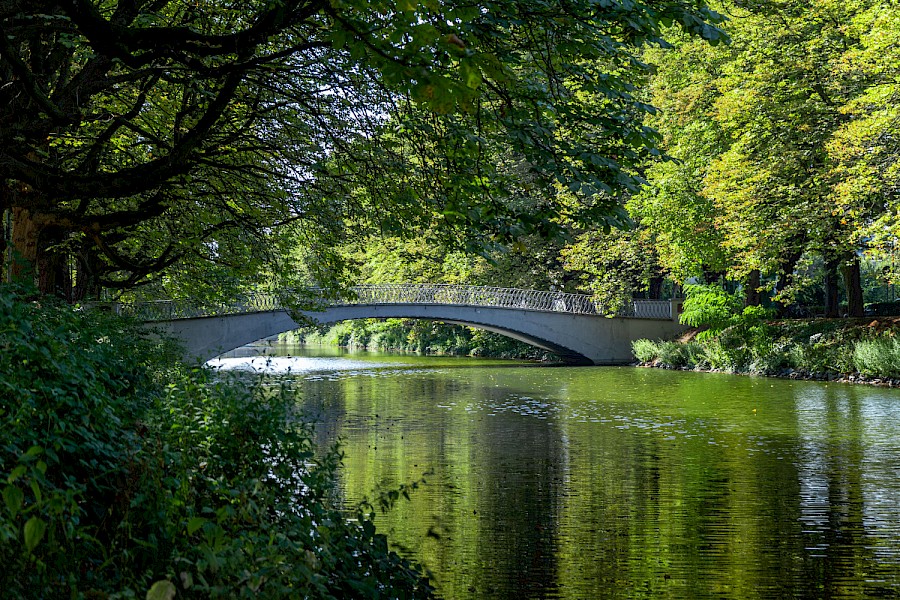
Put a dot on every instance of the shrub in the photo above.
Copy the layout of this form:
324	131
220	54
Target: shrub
671	354
721	358
694	355
712	307
709	306
878	357
123	470
645	351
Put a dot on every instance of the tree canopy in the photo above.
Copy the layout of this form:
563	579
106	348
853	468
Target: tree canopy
783	148
137	136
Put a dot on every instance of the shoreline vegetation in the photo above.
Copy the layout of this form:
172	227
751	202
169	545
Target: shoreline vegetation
865	351
410	335
126	474
862	350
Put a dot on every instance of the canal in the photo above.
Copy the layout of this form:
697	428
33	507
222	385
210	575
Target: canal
602	482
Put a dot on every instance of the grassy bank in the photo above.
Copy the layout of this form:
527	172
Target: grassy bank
865	350
124	472
412	335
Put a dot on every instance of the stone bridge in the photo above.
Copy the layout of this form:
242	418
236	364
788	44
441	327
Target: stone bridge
572	326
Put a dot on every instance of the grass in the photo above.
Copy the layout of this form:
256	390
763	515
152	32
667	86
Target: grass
819	348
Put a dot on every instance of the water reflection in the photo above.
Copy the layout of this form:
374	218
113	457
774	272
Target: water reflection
620	483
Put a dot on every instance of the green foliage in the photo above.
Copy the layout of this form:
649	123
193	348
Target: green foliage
879	357
670	354
125	472
645	350
714	308
710	306
411	335
614	266
817	348
207	127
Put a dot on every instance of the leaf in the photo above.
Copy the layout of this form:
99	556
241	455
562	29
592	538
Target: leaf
16	473
32	452
161	590
194	524
470	74
34	532
13	497
36	489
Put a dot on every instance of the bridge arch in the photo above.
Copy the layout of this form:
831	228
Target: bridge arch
578	338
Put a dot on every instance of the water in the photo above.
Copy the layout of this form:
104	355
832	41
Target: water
580	483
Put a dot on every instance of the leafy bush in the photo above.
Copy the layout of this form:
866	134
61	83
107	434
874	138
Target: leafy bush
695	356
878	357
709	306
712	307
671	354
720	357
646	351
124	471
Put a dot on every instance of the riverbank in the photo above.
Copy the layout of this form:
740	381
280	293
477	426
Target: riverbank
850	350
127	474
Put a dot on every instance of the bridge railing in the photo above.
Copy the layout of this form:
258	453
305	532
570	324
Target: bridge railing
409	294
168	310
505	298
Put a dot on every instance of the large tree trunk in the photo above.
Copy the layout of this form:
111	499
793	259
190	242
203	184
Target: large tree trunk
752	297
786	278
38	255
853	284
52	262
25	232
832	288
86	284
654	291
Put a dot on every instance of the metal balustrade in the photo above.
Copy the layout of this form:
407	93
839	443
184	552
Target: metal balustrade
405	293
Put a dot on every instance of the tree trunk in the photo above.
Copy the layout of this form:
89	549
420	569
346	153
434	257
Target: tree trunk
38	256
52	264
832	289
25	233
711	277
786	278
4	216
654	291
86	284
853	284
752	297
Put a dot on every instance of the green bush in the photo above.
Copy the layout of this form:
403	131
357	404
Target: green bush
671	355
694	355
721	357
646	351
712	307
878	357
123	471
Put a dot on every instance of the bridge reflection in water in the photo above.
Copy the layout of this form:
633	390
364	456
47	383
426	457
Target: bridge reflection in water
573	326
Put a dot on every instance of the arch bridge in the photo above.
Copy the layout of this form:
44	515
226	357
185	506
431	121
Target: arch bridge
573	326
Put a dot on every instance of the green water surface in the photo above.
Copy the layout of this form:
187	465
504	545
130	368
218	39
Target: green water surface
600	482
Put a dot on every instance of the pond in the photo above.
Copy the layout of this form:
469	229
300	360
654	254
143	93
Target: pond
609	482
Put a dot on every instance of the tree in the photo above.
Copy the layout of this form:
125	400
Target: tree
756	128
864	150
616	266
136	134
